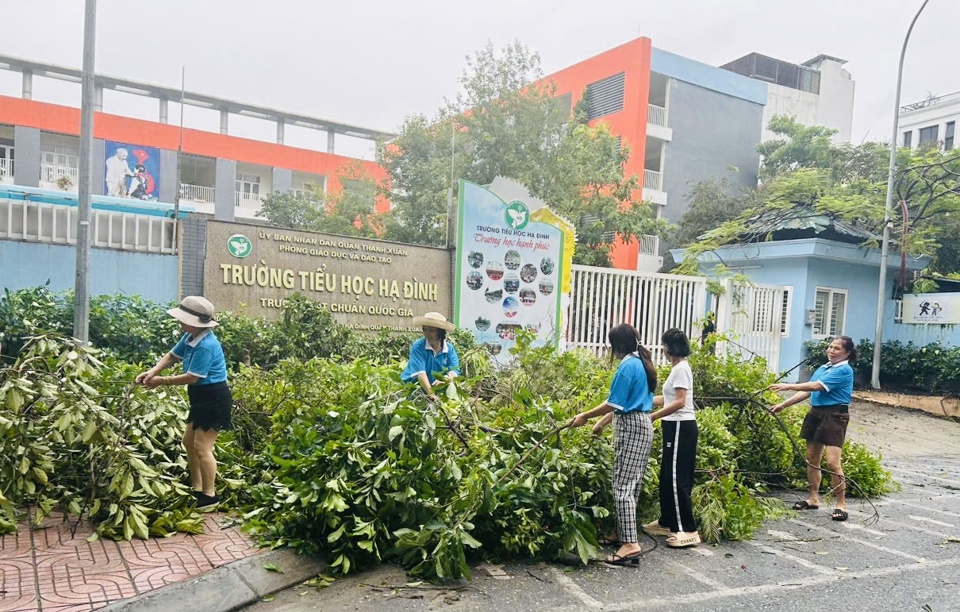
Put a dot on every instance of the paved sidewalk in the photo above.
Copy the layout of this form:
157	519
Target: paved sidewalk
51	567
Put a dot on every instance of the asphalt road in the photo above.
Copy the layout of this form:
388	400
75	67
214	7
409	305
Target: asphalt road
908	559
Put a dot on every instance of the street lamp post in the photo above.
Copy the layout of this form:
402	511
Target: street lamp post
81	313
885	245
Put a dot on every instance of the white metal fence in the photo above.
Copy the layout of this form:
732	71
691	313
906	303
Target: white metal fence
751	317
197	193
603	298
6	168
57	224
650	245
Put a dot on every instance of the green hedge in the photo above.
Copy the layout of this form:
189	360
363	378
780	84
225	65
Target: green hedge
932	368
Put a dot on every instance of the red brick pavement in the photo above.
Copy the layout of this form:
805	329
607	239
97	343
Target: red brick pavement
52	567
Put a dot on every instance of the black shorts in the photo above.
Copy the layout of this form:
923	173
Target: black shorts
827	426
210	406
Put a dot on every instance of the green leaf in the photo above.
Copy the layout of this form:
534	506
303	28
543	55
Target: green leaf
270	567
395	431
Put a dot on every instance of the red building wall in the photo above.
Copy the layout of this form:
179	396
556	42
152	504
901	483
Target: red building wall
633	59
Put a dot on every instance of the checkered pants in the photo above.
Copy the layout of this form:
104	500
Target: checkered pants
632	440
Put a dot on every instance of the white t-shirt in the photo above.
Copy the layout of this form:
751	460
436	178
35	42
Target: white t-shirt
681	377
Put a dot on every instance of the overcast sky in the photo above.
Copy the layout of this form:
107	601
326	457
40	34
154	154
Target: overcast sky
370	62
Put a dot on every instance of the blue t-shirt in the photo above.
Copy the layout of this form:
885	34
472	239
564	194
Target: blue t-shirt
837	381
629	390
203	357
423	359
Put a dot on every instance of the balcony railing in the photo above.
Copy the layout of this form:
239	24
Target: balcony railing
51	173
649	245
6	168
249	200
656	115
197	193
653	180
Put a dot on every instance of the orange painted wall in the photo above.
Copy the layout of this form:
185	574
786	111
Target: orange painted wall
633	59
66	120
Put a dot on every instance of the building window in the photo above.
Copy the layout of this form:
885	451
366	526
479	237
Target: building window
785	313
908	139
605	97
830	312
929	134
948	135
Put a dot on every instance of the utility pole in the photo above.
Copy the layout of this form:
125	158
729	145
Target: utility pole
891	176
81	316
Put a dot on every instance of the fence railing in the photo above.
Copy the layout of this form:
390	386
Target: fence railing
250	200
653	180
603	298
57	224
6	168
656	115
52	173
198	193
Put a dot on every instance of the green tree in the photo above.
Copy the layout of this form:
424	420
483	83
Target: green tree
508	122
348	212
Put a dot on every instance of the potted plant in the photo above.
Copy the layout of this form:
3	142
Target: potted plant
64	182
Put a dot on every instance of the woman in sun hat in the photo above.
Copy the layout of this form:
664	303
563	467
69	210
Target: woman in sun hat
205	374
432	354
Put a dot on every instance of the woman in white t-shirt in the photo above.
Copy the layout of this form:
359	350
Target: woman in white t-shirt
679	447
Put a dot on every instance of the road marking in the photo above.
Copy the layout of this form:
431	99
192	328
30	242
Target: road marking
856	527
924	508
574	589
784	535
929	520
699	577
891	551
799	561
496	572
763	589
930	476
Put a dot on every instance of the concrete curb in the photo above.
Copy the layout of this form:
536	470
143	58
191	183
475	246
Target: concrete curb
941	406
229	587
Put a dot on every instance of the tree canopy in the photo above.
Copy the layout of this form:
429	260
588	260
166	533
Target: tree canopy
848	183
507	121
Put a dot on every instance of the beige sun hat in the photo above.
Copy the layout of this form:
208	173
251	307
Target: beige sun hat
434	319
194	310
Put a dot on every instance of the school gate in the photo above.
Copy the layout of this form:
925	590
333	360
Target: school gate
601	298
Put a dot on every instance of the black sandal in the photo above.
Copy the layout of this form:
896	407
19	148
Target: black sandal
805	505
631	559
608	541
839	515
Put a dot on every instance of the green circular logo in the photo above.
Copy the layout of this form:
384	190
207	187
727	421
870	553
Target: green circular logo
239	245
517	216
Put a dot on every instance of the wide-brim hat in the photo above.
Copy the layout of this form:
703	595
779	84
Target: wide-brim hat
434	319
195	311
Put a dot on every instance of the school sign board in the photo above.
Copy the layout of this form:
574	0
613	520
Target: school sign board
367	285
509	268
932	308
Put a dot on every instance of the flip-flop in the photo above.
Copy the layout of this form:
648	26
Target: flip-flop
839	515
805	505
631	559
608	541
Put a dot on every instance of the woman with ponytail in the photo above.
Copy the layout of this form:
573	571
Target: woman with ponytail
630	401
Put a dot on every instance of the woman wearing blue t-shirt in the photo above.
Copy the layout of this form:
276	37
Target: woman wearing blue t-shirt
205	374
433	354
630	400
830	390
